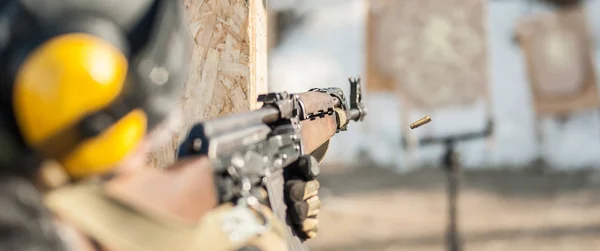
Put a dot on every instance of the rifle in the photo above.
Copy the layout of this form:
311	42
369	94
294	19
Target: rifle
250	150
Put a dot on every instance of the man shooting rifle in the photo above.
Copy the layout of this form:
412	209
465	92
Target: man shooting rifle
276	148
79	89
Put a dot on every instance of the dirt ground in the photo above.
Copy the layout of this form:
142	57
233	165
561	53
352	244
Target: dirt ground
374	209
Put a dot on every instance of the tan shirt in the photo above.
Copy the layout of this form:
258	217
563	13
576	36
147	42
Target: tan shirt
158	210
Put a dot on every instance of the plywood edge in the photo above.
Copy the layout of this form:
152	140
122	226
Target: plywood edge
258	39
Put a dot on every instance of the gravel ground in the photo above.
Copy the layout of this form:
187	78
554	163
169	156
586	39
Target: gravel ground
370	209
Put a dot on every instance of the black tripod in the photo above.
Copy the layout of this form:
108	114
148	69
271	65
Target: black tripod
452	167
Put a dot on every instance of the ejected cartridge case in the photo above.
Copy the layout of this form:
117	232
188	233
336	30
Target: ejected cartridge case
420	122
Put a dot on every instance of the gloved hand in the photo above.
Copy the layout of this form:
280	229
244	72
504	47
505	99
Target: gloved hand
301	196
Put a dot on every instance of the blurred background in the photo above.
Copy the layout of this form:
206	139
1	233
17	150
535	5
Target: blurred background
526	70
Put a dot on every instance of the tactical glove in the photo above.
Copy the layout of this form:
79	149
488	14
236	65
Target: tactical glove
301	190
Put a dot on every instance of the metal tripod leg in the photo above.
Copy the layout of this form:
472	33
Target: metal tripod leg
452	168
453	175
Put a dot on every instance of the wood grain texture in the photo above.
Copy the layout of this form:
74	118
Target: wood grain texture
317	132
229	63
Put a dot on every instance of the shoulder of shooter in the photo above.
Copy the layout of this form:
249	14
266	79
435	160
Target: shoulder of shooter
244	152
248	151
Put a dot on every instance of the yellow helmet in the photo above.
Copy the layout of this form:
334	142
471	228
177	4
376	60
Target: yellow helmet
87	94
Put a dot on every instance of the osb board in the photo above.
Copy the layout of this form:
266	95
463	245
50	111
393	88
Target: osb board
557	49
228	67
434	51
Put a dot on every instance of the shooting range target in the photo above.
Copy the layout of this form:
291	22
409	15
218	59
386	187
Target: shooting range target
556	48
435	50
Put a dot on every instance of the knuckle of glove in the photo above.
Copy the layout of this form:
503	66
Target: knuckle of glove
294	190
309	167
298	190
303	206
314	206
309	228
311	189
303	210
298	212
303	215
309	225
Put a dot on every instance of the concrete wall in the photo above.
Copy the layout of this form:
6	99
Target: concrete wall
329	46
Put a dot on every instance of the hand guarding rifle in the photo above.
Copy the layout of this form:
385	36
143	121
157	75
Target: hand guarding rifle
276	149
